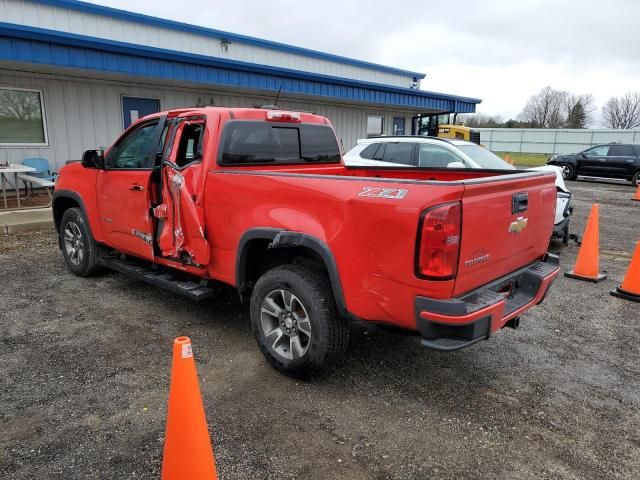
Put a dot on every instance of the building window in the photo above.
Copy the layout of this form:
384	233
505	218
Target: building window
22	120
374	125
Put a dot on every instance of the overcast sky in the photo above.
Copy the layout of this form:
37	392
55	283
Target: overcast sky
500	51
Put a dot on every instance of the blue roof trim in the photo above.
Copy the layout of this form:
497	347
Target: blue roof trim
34	45
73	39
210	32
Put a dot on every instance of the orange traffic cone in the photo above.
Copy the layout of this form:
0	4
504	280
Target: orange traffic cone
630	287
187	446
637	195
507	159
588	261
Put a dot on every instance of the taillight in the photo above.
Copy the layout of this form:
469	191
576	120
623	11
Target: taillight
282	116
438	244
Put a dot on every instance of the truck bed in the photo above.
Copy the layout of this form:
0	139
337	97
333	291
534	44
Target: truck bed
391	173
331	204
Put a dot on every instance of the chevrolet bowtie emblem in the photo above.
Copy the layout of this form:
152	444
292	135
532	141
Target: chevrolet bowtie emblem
518	225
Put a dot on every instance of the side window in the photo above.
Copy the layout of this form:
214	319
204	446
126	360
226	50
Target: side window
623	151
189	148
600	151
435	156
370	152
400	152
133	151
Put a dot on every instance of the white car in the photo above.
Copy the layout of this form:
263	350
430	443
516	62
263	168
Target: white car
432	152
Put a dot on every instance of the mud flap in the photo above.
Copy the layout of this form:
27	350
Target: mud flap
181	234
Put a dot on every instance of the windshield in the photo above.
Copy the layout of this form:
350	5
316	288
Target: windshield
485	158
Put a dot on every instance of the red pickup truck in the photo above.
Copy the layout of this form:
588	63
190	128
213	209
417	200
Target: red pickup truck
260	199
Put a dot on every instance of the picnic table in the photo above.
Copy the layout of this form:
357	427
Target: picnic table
15	170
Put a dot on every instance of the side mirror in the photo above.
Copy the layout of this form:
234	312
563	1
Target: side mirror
583	155
93	159
456	165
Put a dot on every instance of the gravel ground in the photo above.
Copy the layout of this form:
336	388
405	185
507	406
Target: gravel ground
85	366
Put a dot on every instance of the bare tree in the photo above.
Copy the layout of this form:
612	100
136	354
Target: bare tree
622	112
481	120
22	105
546	109
578	110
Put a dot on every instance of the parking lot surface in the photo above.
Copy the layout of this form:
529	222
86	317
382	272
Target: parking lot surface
85	368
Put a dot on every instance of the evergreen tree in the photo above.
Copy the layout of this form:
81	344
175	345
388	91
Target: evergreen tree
576	117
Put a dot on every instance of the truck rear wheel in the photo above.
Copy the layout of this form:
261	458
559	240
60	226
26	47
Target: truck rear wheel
295	320
77	244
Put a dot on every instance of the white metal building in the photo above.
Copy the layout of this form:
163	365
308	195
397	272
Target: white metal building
551	141
74	74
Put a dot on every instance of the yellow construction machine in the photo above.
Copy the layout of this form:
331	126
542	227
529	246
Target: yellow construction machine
444	126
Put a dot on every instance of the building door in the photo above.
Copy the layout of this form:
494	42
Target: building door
398	126
134	108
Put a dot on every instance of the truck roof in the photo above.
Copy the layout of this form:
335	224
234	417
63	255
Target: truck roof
243	113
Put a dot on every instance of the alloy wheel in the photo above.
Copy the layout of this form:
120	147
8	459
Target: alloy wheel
285	324
73	243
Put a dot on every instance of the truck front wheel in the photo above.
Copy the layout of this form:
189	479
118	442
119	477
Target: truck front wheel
77	244
295	320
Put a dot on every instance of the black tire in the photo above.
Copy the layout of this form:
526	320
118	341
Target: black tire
636	179
568	171
566	236
76	242
329	331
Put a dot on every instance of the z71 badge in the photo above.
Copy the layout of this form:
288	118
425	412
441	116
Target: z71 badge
377	192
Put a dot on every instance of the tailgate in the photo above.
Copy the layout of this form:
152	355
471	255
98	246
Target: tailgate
506	223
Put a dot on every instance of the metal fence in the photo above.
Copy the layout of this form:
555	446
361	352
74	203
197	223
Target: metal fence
539	140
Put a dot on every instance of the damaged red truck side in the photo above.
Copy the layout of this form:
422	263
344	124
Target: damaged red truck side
260	199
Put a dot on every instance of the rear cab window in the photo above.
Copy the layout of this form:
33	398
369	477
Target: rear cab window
248	142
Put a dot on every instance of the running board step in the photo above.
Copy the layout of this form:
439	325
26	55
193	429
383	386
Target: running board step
160	278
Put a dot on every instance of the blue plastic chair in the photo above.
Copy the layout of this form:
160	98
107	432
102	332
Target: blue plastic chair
41	166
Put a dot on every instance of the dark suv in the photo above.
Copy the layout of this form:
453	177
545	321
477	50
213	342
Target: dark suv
613	160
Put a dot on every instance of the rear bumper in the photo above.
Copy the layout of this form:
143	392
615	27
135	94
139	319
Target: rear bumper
447	325
561	228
